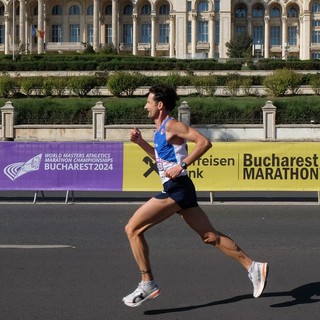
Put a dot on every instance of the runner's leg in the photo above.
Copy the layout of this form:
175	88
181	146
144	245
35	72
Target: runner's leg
199	221
149	214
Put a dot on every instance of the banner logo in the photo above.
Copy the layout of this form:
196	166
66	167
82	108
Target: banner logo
17	169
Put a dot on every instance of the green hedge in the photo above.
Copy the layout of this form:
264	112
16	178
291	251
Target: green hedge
91	62
205	110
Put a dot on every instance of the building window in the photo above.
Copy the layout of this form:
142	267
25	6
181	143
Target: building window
315	36
74	11
241	29
257	35
108	33
57	11
203	6
74	33
146	9
56	31
275	12
316	7
315	55
145	32
292	13
292	36
164	10
127	10
257	12
90	10
108	10
217	31
90	33
189	31
189	6
2	11
275	39
163	33
203	31
2	34
217	5
316	23
127	34
241	12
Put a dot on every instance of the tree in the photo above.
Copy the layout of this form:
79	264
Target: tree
240	46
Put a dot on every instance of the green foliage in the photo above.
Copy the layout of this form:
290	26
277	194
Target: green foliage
204	110
297	110
32	85
7	86
205	86
233	84
52	111
81	86
283	80
240	46
126	83
315	83
59	85
88	48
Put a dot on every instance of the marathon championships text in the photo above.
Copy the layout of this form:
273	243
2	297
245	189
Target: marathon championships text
78	161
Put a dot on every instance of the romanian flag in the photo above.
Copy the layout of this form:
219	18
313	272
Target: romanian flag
37	32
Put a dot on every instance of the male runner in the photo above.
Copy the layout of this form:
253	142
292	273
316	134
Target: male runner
178	195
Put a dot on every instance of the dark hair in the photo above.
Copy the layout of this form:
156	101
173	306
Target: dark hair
165	94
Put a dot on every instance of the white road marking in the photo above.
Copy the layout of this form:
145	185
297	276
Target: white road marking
34	246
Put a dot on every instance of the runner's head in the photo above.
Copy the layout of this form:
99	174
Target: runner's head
165	94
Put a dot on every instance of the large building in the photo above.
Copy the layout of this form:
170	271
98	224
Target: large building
171	28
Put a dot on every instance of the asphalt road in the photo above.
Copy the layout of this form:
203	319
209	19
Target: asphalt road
73	262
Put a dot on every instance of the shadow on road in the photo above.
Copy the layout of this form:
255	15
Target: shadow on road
301	295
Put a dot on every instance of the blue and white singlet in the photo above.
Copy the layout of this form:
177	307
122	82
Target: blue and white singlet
168	155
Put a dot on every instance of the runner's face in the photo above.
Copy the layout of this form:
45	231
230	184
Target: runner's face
152	107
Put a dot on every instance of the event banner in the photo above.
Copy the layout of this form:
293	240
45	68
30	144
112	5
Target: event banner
239	166
117	166
61	166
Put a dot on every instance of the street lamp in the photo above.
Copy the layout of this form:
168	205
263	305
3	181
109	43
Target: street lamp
286	49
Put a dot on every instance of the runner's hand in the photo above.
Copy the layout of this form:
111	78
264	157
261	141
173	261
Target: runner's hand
135	135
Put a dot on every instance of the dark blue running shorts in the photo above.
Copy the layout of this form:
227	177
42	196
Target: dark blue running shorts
181	190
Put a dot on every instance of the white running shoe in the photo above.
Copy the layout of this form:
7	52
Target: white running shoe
258	273
140	295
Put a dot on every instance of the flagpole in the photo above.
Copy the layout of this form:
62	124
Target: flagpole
13	28
31	39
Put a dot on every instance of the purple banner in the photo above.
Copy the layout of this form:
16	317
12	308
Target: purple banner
61	166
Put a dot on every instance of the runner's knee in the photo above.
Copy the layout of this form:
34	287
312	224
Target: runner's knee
131	232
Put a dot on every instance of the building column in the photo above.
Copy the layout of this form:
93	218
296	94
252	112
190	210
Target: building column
115	20
22	31
134	34
172	40
96	28
40	25
267	37
194	34
305	36
7	34
225	33
153	35
211	35
284	42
